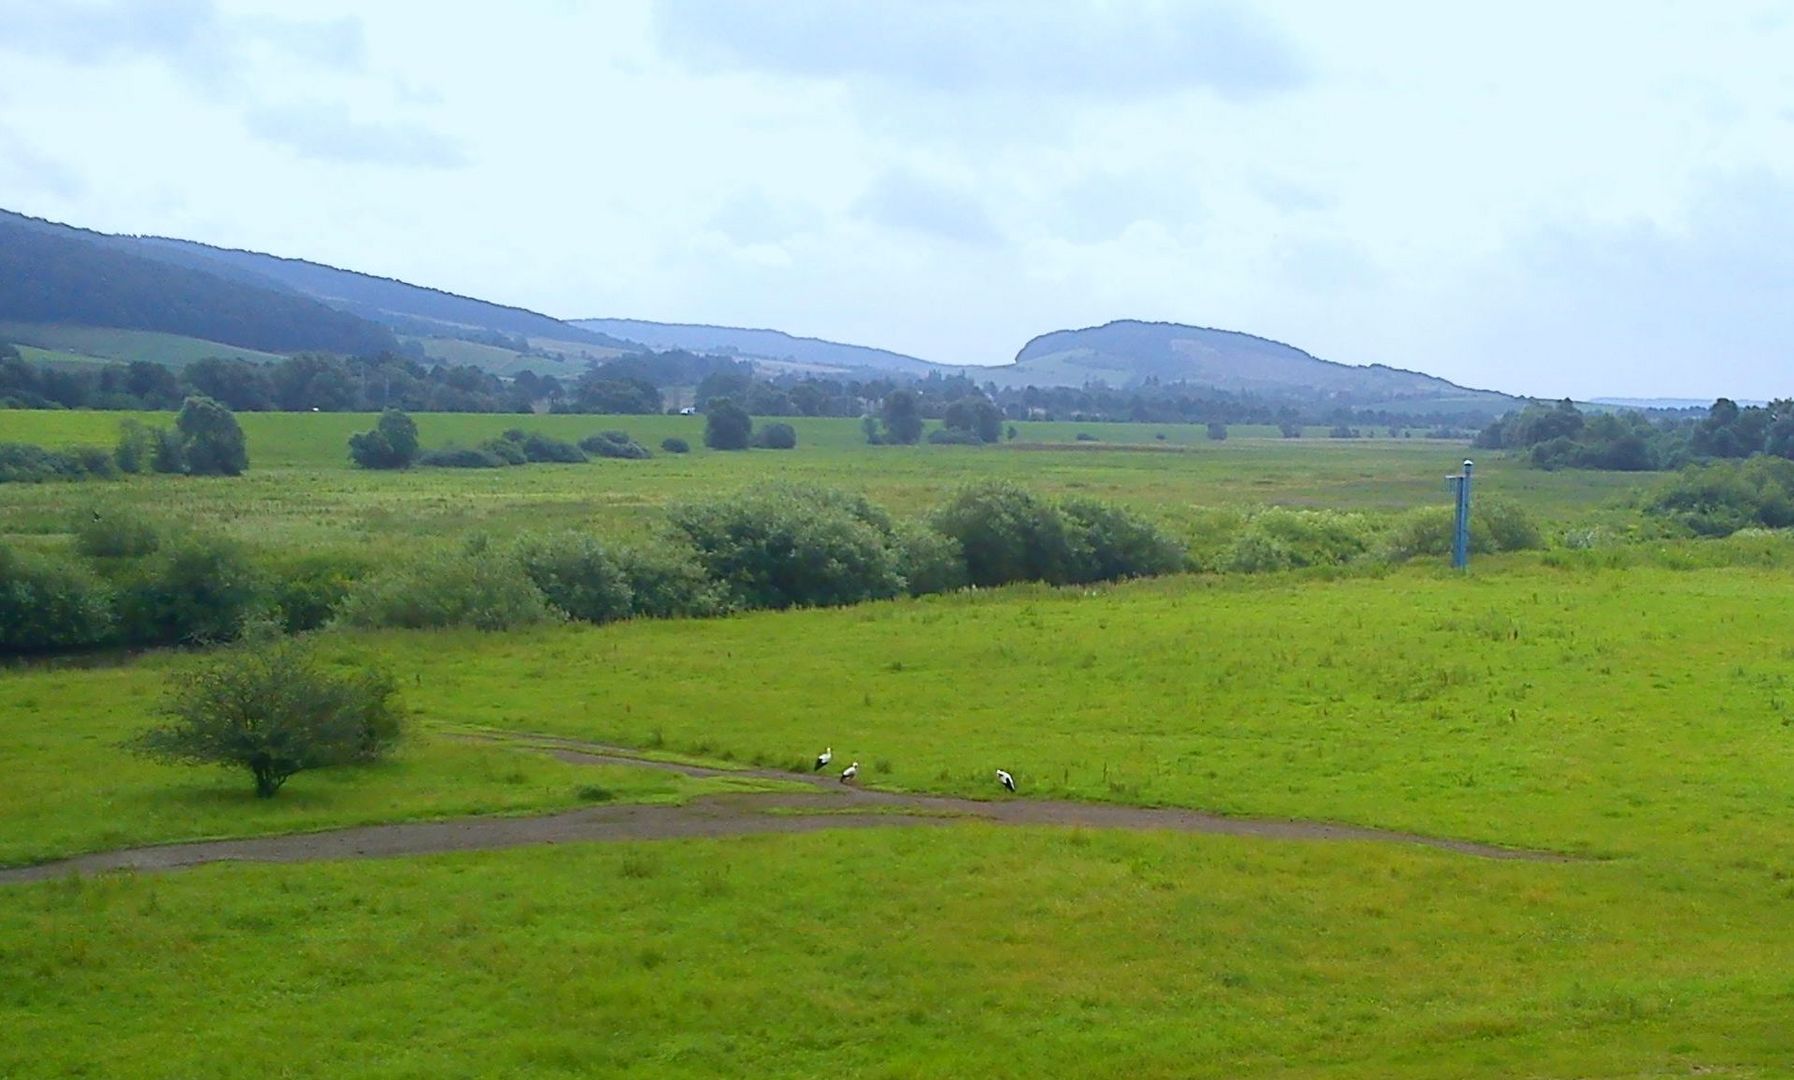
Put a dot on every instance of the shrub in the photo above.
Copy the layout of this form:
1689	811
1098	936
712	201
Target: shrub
1495	525
1217	430
928	561
781	547
954	437
1117	543
391	445
1085	436
577	575
1281	539
507	451
308	590
48	603
615	444
95	461
726	425
211	440
675	445
168	455
1723	497
667	582
135	447
115	534
776	436
546	448
25	463
194	590
1007	533
442	589
274	710
460	457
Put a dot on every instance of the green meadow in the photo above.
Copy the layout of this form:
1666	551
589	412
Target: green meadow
1630	707
302	491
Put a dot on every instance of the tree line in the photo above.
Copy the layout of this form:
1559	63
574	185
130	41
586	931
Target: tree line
1561	436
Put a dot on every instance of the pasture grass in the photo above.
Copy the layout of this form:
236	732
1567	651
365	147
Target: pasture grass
959	951
70	787
301	491
1610	712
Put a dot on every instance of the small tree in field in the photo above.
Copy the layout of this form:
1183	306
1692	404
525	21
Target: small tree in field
727	425
391	445
211	439
273	709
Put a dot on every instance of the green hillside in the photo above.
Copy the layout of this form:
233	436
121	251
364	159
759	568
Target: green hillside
107	343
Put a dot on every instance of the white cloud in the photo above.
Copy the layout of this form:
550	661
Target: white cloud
326	131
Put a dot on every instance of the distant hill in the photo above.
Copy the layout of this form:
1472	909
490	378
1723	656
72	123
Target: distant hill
54	274
406	308
1127	352
772	345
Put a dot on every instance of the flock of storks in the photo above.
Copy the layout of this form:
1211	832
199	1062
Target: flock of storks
853	770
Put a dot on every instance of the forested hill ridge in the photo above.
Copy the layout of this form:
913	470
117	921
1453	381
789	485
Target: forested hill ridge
63	274
56	274
774	345
1128	352
407	308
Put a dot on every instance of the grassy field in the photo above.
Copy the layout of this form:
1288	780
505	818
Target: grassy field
1629	706
301	489
898	954
171	350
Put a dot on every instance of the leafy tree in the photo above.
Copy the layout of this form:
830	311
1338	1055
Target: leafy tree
1217	430
727	426
902	417
211	439
275	710
391	445
976	416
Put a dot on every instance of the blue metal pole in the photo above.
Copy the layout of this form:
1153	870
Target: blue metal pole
1460	537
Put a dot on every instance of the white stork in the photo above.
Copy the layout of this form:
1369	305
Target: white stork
824	758
850	772
1006	780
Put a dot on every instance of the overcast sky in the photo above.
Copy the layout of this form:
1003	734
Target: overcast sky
1541	197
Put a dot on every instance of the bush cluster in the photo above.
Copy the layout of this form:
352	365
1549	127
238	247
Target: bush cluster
614	444
1721	498
1006	533
24	463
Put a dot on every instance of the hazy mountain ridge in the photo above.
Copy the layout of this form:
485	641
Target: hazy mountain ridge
760	344
53	273
408	308
1127	351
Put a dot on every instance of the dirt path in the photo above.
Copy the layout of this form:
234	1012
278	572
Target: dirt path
832	806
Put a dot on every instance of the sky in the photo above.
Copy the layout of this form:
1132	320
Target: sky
1585	199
